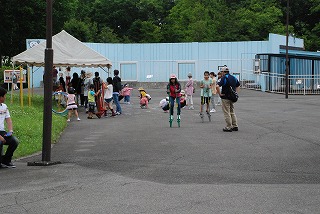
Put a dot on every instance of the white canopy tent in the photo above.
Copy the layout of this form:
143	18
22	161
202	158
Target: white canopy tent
67	51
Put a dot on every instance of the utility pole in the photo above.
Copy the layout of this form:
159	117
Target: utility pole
48	84
287	55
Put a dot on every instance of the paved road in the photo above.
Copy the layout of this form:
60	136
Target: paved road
135	163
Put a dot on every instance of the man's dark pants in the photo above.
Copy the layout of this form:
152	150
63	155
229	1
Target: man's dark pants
12	143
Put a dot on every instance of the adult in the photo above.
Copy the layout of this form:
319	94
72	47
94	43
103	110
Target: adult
14	81
6	138
116	90
75	83
68	77
97	82
86	86
54	75
227	80
189	91
81	82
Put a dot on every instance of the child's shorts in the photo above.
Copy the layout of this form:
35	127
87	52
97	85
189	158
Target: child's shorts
91	107
205	100
108	100
72	107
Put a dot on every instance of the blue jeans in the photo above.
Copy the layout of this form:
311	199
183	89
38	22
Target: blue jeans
127	98
116	102
171	100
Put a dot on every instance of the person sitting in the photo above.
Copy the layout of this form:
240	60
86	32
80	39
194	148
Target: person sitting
6	138
164	104
183	100
144	98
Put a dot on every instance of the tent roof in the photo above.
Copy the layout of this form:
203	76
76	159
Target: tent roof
67	51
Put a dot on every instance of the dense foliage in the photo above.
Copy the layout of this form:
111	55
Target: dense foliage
143	21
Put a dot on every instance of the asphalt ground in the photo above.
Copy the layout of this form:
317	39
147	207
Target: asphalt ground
136	163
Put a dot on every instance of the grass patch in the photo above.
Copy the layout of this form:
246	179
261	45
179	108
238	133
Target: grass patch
28	124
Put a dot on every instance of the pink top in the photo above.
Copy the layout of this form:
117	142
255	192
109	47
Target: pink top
126	91
189	87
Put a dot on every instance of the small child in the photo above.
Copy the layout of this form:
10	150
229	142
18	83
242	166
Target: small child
71	103
164	104
91	101
183	101
219	99
206	93
126	91
144	99
214	91
108	91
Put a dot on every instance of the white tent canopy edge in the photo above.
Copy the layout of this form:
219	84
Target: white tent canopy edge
68	51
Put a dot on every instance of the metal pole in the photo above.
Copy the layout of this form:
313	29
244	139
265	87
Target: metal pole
287	57
47	110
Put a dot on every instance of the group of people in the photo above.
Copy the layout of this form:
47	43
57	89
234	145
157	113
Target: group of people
96	96
210	87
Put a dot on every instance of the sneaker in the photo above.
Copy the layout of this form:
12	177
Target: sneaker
118	113
78	119
90	117
212	110
191	108
9	165
68	120
235	129
3	166
225	129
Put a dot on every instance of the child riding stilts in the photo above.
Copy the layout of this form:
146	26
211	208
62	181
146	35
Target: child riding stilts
173	90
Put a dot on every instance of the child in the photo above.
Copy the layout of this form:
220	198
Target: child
91	101
6	138
190	91
214	91
71	103
108	96
183	101
206	93
219	99
164	104
143	98
126	93
173	90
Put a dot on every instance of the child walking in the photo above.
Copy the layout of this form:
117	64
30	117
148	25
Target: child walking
214	91
71	104
189	92
108	96
91	101
205	93
126	91
173	90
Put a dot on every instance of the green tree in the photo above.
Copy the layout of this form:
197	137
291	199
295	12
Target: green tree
80	30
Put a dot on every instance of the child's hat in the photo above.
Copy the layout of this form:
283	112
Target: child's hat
173	76
189	74
140	89
182	92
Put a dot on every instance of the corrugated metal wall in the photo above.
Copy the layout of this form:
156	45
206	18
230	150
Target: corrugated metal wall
155	62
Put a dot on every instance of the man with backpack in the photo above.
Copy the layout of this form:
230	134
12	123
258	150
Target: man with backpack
230	85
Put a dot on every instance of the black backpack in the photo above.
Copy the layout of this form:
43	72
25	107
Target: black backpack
233	94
